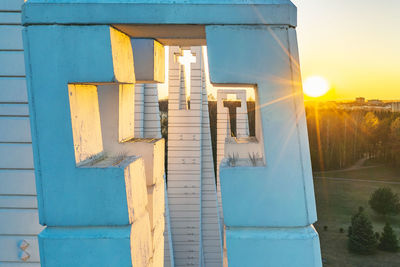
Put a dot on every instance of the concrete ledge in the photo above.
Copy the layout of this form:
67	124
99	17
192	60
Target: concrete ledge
200	12
85	246
266	200
283	247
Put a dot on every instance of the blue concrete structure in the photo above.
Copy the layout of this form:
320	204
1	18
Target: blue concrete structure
276	208
51	122
95	201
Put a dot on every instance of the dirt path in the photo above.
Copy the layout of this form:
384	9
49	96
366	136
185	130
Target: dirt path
355	180
357	166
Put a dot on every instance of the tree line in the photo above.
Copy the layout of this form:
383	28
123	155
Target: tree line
339	138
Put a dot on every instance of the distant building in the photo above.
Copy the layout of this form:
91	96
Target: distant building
371	105
375	102
360	100
395	106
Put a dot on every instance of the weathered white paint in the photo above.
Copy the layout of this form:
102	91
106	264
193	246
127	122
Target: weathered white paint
10	18
16	156
111	98
139	110
17	182
13	110
147	112
14	130
11	5
18	202
151	121
85	120
14	66
19	222
10	37
13	90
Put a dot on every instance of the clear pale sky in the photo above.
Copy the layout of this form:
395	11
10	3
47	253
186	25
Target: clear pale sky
354	44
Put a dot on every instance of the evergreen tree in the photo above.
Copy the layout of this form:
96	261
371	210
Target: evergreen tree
384	201
362	238
388	240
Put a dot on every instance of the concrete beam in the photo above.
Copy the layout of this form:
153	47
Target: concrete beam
204	12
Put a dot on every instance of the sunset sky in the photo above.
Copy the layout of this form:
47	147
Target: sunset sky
354	44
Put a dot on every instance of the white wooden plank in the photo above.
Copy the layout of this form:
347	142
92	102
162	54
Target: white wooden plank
10	250
11	5
151	98
152	126
18	202
12	63
13	90
15	129
10	37
14	110
11	18
20	264
16	156
17	182
19	222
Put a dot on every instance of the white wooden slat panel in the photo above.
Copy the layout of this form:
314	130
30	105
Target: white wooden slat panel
14	110
19	222
17	182
19	264
12	63
11	18
10	37
10	248
16	156
13	90
152	125
15	129
11	5
18	202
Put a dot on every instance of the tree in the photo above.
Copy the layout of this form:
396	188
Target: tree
211	97
395	141
385	202
370	128
388	240
362	239
371	121
395	129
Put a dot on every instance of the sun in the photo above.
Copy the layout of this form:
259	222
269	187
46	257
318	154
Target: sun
315	86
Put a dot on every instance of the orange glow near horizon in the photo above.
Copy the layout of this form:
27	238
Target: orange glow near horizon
357	53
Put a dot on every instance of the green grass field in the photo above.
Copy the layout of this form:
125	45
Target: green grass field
338	200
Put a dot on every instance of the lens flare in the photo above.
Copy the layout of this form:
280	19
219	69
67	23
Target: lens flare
316	86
